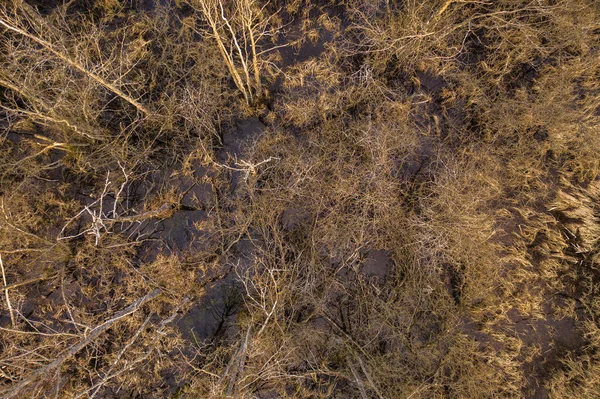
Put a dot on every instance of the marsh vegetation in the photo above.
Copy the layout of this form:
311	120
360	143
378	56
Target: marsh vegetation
300	199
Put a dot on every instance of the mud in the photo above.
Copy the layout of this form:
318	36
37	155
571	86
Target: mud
214	315
377	264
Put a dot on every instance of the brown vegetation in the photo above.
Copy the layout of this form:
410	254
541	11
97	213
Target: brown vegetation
355	199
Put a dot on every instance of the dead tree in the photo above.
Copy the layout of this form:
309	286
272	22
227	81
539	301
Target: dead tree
239	28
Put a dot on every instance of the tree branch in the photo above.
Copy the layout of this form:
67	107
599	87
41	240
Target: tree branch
95	333
48	46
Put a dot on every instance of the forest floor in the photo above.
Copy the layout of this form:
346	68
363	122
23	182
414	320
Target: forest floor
300	199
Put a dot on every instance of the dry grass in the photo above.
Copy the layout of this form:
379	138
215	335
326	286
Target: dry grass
415	213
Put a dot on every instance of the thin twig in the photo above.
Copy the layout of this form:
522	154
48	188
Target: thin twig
48	46
95	333
26	282
368	375
359	382
240	366
239	50
229	61
10	309
119	356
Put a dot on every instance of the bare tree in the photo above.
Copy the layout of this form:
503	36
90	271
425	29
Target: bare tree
239	28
